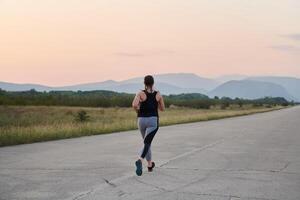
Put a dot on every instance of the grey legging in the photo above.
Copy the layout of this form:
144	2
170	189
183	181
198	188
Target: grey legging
148	127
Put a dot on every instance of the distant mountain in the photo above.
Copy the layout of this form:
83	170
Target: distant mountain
225	78
177	83
105	85
130	87
292	85
23	87
166	83
164	88
181	80
250	89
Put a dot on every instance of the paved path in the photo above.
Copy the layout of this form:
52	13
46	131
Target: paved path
254	157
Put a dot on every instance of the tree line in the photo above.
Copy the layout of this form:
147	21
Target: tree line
103	98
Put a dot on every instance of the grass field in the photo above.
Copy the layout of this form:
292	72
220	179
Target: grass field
28	124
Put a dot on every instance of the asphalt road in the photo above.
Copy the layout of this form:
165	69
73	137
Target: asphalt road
255	157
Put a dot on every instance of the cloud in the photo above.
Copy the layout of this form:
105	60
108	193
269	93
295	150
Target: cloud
145	53
126	54
292	36
286	48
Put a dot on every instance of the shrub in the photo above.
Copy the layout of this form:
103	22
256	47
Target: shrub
81	116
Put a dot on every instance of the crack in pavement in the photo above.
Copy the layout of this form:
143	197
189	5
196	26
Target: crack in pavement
152	185
212	195
57	169
109	183
81	195
230	196
120	192
84	194
284	167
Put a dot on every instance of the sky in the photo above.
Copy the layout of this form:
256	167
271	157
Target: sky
64	42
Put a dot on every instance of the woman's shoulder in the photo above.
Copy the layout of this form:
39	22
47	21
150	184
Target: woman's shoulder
141	92
157	94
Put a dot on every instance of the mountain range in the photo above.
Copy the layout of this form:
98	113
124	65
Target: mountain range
176	83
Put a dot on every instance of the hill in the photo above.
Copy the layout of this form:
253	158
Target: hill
249	89
292	85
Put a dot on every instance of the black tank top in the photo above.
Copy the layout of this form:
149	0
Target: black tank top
148	108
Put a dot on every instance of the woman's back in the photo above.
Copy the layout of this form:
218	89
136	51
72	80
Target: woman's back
149	107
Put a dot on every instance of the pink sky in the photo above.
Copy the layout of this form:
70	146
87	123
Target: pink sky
62	42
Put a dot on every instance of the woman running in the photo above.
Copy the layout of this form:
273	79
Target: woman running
146	103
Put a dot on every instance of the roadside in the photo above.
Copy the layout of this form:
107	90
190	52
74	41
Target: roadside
29	124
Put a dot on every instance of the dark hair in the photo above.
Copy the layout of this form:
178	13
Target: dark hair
148	81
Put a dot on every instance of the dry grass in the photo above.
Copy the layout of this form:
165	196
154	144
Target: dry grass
28	124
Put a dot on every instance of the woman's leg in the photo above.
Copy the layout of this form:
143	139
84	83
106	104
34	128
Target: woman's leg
149	155
149	135
142	125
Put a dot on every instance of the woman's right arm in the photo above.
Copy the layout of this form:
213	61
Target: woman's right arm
161	103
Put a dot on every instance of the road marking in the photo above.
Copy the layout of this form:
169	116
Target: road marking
129	175
192	152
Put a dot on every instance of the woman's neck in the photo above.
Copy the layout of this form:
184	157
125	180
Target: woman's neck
150	90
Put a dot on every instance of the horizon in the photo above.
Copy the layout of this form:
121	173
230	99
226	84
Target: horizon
212	78
74	42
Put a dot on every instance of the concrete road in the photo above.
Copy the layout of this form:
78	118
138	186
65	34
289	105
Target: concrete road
255	157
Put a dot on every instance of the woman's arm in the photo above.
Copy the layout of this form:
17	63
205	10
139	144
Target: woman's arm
161	103
136	101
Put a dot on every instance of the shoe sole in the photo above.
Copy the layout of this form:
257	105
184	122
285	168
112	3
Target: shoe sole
139	169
